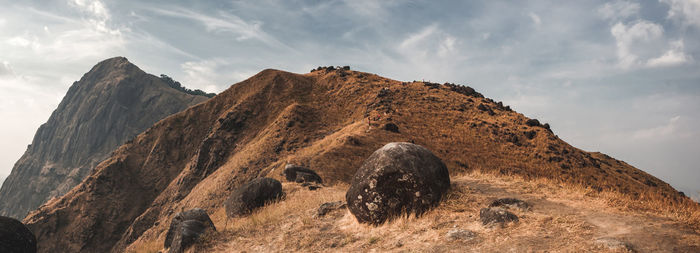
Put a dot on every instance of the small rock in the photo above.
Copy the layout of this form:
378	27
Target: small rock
185	229
325	208
299	174
532	122
511	203
612	244
460	234
496	216
391	127
15	237
252	195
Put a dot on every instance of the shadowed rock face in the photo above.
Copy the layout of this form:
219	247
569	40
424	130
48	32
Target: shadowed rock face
15	237
252	195
396	178
108	106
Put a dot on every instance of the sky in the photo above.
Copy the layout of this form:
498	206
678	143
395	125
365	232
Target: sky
618	77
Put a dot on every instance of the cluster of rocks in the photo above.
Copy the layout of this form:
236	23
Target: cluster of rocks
330	68
498	214
536	123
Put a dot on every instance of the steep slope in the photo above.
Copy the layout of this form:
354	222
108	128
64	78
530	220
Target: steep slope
108	106
322	120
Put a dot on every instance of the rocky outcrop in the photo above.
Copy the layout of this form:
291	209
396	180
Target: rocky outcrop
110	105
252	195
399	177
15	237
185	228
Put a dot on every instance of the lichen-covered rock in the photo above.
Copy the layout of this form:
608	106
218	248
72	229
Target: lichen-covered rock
299	174
188	225
510	203
399	177
496	216
252	195
15	237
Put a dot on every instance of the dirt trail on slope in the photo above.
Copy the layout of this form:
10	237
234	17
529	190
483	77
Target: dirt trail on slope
608	228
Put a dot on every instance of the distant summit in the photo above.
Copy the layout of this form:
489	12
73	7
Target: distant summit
110	105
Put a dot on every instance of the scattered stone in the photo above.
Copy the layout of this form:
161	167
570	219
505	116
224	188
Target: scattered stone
496	216
457	234
328	207
252	195
532	122
612	244
299	174
391	127
397	178
530	134
511	203
15	237
185	229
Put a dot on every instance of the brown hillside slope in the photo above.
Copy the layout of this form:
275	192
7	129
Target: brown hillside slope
196	157
109	105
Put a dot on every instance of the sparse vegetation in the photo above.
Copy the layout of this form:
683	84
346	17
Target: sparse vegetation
176	85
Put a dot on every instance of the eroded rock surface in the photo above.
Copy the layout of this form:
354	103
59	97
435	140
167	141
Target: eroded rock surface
399	177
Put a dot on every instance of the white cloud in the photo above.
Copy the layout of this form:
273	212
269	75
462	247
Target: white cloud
685	11
672	57
428	42
212	75
618	10
660	132
227	23
643	44
535	19
6	70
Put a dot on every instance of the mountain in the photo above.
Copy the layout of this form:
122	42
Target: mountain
329	120
110	105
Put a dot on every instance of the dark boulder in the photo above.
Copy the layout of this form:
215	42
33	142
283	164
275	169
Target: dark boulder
252	195
391	127
15	237
496	216
187	226
399	177
510	203
299	174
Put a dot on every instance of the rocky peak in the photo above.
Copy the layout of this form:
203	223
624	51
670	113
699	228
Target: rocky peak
108	106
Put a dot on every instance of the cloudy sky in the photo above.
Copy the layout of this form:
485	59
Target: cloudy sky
620	77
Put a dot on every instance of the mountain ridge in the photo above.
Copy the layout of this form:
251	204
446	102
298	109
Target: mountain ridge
329	120
110	104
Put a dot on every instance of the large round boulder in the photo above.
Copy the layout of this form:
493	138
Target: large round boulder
15	237
252	195
186	227
399	177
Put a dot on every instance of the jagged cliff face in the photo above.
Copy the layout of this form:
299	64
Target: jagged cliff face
108	106
195	158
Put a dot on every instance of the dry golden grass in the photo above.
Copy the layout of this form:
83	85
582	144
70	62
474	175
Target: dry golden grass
564	218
